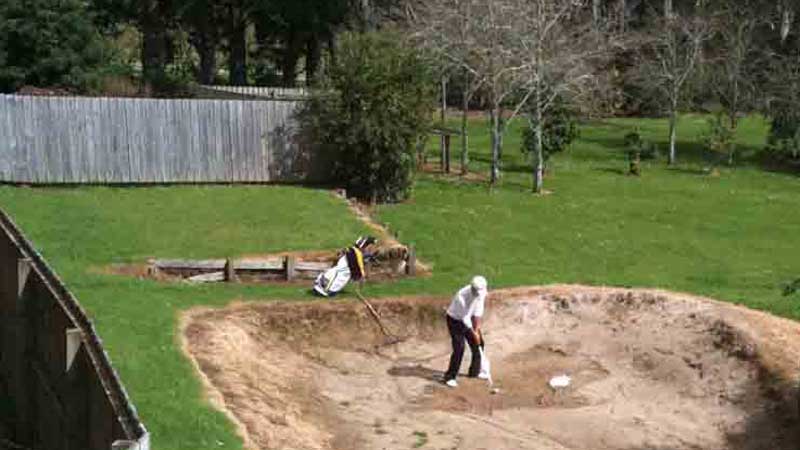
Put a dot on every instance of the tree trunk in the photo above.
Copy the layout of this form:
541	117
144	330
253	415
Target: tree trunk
366	16
464	137
237	39
538	169
313	58
734	127
668	9
332	48
208	63
786	22
495	144
442	118
501	126
154	41
596	12
204	42
291	54
673	123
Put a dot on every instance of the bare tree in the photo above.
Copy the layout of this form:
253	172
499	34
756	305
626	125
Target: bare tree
669	55
477	36
563	49
737	59
515	51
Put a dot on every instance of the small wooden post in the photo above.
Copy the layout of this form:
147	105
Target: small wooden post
411	261
290	266
23	271
74	339
230	271
446	153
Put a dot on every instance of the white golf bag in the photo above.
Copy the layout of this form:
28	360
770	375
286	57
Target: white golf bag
333	280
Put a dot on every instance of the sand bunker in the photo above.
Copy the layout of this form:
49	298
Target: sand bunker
650	370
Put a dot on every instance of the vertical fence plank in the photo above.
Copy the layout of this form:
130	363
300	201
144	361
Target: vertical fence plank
5	150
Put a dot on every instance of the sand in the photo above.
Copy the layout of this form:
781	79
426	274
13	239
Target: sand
649	369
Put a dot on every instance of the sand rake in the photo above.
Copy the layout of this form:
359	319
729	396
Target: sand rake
391	339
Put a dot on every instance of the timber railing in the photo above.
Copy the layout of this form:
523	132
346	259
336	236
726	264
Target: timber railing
57	386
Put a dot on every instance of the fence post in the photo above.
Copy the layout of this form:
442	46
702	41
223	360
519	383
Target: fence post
230	271
20	359
411	262
447	153
290	266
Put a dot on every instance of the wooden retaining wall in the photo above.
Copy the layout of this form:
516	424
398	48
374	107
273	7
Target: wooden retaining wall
58	390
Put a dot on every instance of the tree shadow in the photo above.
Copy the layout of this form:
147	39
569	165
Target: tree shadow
774	425
689	170
611	170
415	371
784	169
686	151
506	165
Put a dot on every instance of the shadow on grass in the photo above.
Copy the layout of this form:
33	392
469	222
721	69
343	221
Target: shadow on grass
784	169
612	170
505	165
688	170
692	152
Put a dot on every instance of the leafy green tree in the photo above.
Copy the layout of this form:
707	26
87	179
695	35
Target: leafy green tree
300	27
48	43
720	139
374	104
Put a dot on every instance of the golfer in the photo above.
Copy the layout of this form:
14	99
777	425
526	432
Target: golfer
464	323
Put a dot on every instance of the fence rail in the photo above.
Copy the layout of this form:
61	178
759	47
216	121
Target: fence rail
57	386
250	92
51	140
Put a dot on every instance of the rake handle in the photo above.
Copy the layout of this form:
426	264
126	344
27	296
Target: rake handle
373	313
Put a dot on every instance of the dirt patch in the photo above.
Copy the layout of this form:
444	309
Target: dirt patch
649	369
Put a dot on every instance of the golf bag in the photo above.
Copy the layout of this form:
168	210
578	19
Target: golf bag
350	266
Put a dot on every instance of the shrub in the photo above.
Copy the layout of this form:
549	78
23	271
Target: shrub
372	105
783	144
791	288
638	149
559	129
719	140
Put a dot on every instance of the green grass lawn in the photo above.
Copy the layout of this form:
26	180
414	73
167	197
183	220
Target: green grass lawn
77	229
733	237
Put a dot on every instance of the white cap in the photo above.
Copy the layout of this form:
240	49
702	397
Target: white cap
479	283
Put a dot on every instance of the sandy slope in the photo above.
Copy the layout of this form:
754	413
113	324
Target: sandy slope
650	370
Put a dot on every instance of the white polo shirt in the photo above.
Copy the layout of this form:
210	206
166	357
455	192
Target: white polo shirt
466	305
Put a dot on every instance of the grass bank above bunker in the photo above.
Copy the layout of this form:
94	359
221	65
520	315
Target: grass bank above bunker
649	369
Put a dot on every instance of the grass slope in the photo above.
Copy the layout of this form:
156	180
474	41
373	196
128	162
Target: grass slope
732	237
77	229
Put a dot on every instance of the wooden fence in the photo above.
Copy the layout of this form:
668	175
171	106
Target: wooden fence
51	140
250	92
58	390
